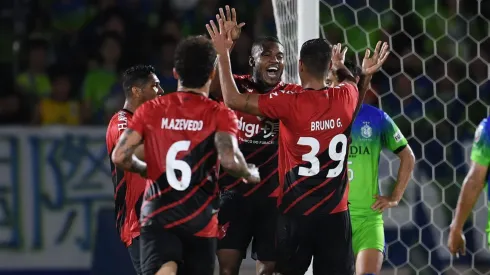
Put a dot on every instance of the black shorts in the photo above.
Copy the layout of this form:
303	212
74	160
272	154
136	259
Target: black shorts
326	239
243	221
194	255
134	254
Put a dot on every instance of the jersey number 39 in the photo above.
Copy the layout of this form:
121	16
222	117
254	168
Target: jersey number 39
172	164
311	157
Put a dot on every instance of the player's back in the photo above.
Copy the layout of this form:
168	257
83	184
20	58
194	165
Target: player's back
313	151
178	131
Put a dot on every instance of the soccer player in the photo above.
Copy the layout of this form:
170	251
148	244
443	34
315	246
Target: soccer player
140	84
314	126
180	132
248	213
476	179
372	130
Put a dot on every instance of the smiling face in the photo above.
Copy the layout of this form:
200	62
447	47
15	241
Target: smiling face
267	61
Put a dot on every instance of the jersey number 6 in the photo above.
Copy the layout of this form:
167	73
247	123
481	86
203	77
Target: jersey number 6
311	157
173	164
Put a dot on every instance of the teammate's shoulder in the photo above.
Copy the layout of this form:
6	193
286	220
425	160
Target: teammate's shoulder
121	116
241	76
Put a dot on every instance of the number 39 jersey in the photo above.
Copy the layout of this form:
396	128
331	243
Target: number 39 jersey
178	131
315	127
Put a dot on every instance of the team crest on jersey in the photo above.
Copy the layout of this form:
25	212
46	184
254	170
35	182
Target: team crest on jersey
366	130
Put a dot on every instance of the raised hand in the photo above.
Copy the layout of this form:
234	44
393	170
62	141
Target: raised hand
372	64
338	55
222	40
230	22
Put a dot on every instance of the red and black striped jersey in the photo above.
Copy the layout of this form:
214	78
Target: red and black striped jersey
315	130
258	139
128	187
178	131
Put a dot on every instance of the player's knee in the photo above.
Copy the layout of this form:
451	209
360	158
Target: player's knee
265	268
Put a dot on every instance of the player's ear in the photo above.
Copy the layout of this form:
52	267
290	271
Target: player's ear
212	75
174	72
357	79
251	61
135	92
300	66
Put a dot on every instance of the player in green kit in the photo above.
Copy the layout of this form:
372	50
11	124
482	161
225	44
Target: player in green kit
477	178
372	131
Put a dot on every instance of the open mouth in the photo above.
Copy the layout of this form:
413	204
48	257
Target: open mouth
272	71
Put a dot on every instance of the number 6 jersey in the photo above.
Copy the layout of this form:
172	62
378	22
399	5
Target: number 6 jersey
178	132
314	139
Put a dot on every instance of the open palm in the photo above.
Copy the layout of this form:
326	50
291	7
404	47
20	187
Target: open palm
372	64
230	23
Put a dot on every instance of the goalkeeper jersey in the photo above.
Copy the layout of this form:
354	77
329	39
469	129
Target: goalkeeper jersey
372	131
480	153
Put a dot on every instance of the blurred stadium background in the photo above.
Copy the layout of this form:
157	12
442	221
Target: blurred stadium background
56	194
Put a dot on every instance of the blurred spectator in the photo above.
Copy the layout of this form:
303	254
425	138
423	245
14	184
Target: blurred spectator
35	81
165	64
183	5
170	28
100	80
58	108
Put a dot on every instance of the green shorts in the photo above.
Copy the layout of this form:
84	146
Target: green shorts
367	233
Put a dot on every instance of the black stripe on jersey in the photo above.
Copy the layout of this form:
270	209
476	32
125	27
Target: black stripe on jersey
168	206
265	157
305	193
120	188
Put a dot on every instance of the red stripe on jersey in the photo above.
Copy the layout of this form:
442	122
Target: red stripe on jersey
193	215
166	190
323	200
154	196
306	194
174	204
260	149
120	183
304	178
264	180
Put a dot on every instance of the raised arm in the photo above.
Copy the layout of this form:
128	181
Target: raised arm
123	154
232	159
230	26
370	65
248	103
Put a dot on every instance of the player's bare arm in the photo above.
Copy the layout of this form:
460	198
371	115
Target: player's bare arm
232	160
407	163
139	152
231	26
123	154
472	186
248	103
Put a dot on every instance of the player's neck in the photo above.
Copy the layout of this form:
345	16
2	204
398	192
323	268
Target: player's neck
130	106
204	91
261	86
313	84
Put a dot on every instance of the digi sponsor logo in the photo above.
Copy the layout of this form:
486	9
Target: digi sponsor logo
269	128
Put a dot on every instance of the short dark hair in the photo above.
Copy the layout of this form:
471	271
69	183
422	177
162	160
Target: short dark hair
353	68
194	61
136	76
261	41
316	55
